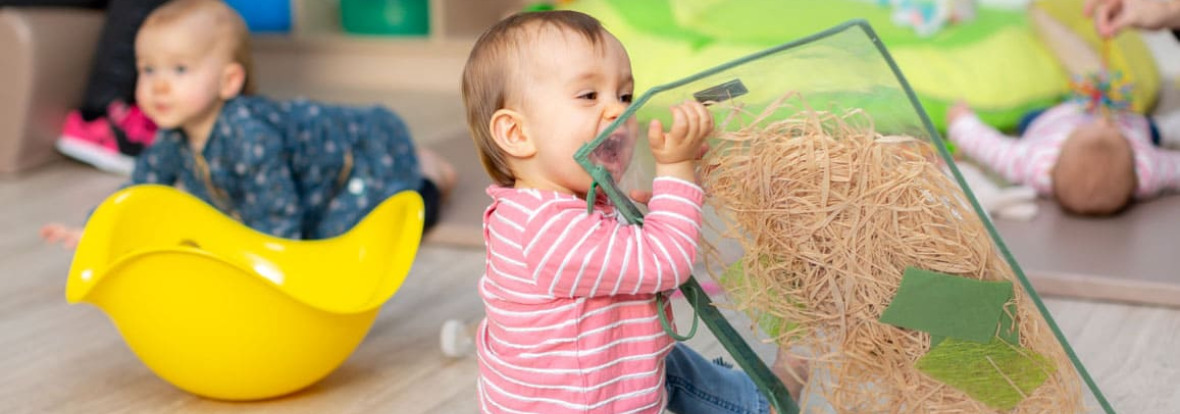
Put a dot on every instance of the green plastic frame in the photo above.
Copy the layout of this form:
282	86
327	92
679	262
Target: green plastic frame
725	333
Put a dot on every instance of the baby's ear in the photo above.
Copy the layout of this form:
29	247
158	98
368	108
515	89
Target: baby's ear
510	134
233	77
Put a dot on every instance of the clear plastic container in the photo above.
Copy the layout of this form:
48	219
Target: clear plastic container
845	75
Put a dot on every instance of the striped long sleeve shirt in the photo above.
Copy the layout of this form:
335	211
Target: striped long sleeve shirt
1029	160
572	323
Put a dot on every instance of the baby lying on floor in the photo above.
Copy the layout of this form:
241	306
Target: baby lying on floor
1089	164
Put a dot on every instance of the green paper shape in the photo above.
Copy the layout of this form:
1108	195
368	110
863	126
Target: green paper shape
945	305
997	374
1007	331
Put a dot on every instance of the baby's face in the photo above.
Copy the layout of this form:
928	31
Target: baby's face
180	66
571	92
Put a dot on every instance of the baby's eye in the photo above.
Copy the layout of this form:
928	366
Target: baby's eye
146	70
589	95
626	98
181	69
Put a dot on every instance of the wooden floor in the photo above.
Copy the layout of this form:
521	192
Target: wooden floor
56	357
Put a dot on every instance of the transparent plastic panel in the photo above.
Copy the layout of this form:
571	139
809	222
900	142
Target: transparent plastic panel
839	231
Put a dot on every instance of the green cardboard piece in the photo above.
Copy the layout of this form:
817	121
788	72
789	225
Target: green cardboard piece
946	305
997	374
1006	331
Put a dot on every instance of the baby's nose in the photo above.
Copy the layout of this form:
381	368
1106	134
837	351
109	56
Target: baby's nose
161	86
615	109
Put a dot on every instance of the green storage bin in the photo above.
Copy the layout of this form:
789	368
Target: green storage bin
386	17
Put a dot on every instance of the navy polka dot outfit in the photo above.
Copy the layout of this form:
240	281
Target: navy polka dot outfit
282	168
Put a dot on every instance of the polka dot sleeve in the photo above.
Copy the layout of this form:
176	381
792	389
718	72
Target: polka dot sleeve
160	162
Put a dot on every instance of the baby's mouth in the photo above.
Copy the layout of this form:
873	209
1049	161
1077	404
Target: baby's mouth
614	154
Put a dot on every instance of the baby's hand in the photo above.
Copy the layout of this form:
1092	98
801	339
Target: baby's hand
691	124
54	233
959	110
641	196
676	151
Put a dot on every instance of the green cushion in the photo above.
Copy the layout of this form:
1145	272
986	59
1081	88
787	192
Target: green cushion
995	62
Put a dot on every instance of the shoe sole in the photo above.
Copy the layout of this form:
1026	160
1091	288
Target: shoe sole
99	157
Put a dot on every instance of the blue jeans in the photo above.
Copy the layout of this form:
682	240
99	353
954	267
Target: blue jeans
698	386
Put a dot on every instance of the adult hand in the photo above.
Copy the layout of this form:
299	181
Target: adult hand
1112	16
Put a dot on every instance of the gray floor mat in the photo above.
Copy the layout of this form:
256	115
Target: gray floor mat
1134	257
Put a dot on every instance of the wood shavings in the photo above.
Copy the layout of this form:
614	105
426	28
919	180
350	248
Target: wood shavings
829	213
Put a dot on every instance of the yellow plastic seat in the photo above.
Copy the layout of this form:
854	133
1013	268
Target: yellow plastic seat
223	311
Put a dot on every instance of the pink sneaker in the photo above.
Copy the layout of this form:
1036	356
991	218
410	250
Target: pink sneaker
111	142
132	122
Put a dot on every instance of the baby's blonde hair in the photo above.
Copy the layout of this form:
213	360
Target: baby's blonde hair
488	77
1095	171
229	27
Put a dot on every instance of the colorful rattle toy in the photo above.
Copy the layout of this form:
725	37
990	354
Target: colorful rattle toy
1105	91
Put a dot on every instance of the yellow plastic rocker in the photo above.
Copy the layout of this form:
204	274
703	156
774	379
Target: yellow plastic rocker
223	311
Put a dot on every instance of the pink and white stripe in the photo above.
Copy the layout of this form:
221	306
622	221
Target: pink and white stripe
572	323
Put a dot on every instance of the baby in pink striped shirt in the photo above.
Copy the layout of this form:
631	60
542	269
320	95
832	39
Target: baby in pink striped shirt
1089	164
572	321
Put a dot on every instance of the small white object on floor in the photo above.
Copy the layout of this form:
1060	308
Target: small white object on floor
455	340
1012	203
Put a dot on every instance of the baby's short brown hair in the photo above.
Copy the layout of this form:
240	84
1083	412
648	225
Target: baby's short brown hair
488	75
1095	171
229	27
